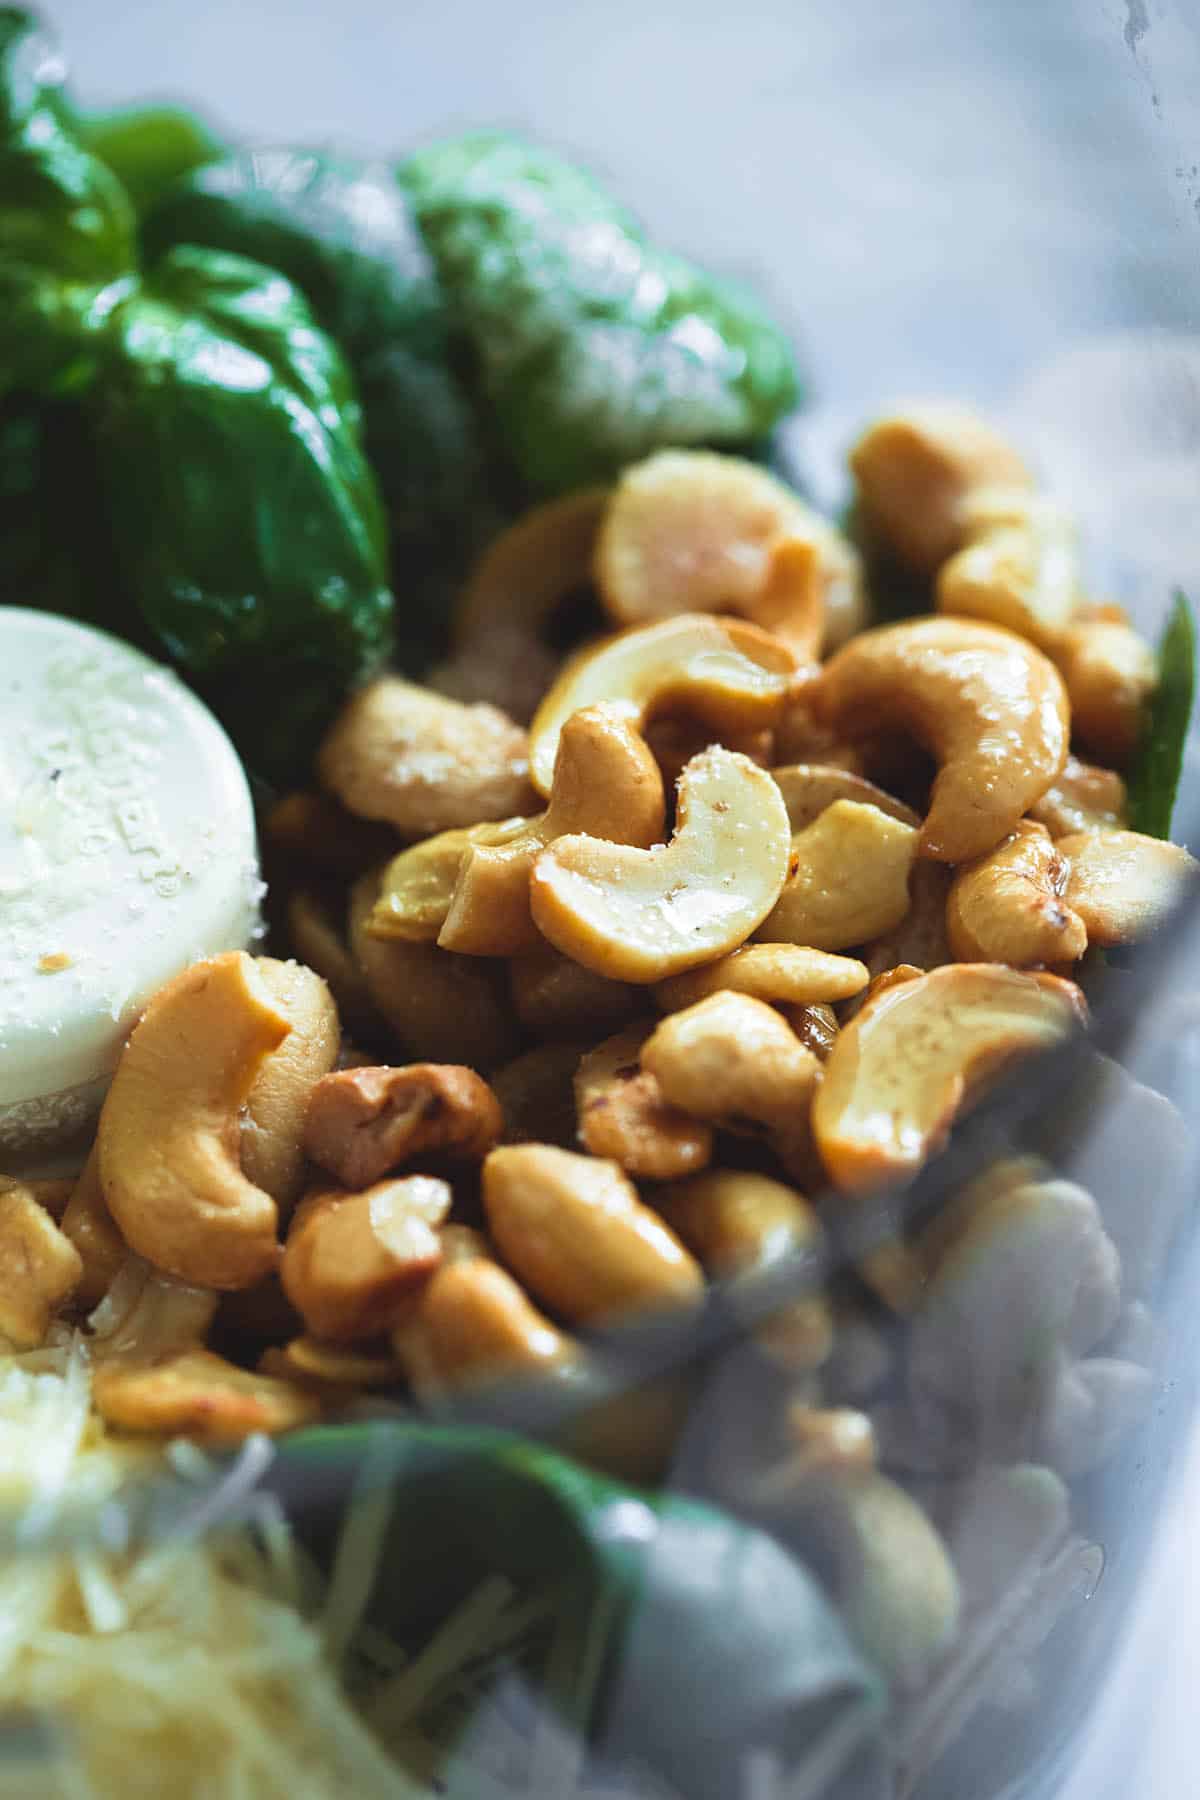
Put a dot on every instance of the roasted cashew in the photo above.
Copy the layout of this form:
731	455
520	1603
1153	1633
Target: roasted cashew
536	1092
89	1225
734	1061
920	938
847	879
401	753
196	1394
816	1026
1123	885
273	1111
351	1259
901	1070
1008	907
554	997
330	1368
987	705
784	974
1019	567
170	1131
574	1231
727	674
417	885
318	939
1084	798
641	915
441	1007
146	1316
476	1324
623	1116
1110	673
916	472
40	1267
363	1123
808	789
693	531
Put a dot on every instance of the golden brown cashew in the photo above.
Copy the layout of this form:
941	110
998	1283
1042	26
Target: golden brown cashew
1110	673
273	1111
734	1061
573	1229
816	1027
1123	885
623	1116
902	1069
693	531
1009	908
363	1123
728	674
1084	798
309	1362
423	763
809	788
170	1130
641	915
89	1225
351	1259
556	998
1019	567
920	938
417	885
441	1007
847	879
915	472
39	1267
784	974
476	1324
197	1394
988	706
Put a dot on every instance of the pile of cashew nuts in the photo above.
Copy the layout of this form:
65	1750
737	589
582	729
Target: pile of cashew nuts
638	965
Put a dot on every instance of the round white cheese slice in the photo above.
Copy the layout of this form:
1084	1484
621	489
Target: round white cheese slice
127	850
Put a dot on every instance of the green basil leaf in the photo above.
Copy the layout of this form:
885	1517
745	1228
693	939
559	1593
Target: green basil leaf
149	148
1158	761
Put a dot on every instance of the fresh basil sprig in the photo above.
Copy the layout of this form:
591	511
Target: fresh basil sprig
1158	762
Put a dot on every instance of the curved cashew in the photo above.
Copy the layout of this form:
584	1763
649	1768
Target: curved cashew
417	885
573	1229
1009	908
623	1116
351	1259
1123	885
1110	672
1084	798
441	1007
89	1225
319	941
606	783
273	1110
902	1069
555	998
734	1061
847	879
987	705
401	753
40	1267
916	472
170	1129
1019	567
536	1092
641	915
808	789
784	974
728	674
197	1394
693	531
363	1123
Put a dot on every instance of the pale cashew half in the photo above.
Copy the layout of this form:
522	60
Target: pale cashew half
170	1129
734	1061
809	788
988	706
847	879
351	1259
727	674
901	1070
401	753
783	974
623	1116
555	997
916	471
573	1229
1084	798
273	1111
641	915
1110	672
40	1267
1008	907
363	1123
694	531
1123	884
417	885
89	1225
1019	567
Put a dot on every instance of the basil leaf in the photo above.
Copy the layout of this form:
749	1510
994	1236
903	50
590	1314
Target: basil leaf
1158	761
149	148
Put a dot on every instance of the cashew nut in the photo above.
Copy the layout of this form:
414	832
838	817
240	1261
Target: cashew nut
350	1259
476	1324
318	940
1084	798
170	1130
423	763
197	1394
330	1367
554	997
573	1229
816	1026
89	1225
808	789
727	674
920	938
1123	885
417	885
1019	567
363	1123
693	531
1110	672
623	1116
673	741
734	1061
536	1092
641	915
915	473
273	1110
441	1007
988	706
901	1070
146	1316
315	830
847	879
1008	907
40	1267
784	974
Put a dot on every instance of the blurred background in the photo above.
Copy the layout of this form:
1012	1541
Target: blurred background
996	199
